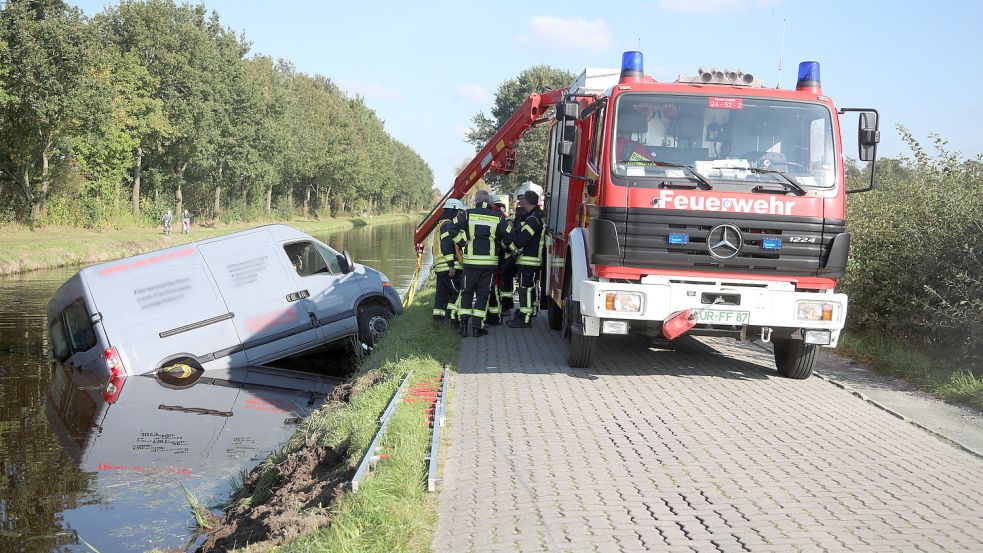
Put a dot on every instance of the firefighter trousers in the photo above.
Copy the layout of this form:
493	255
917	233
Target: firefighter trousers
528	292
474	296
445	299
506	284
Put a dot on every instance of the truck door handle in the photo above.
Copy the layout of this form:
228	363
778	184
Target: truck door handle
298	295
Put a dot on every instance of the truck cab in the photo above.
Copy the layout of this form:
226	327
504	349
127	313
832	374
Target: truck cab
712	198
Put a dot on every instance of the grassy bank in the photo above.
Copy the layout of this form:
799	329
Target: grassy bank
934	374
392	510
22	249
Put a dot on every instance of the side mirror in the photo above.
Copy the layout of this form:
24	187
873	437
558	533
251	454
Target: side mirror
566	146
345	262
568	110
868	135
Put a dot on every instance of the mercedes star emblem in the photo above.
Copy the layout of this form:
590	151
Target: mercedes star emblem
724	241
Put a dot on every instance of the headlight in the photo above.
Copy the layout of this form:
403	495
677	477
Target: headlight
817	311
623	302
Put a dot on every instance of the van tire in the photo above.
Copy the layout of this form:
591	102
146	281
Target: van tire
794	358
373	323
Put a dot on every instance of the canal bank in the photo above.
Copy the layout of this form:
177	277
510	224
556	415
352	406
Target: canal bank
52	500
22	249
392	510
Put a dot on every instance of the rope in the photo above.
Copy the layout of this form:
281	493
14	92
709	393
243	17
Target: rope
414	282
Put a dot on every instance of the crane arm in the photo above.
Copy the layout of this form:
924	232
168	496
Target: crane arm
497	155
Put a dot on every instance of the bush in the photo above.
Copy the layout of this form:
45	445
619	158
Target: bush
915	260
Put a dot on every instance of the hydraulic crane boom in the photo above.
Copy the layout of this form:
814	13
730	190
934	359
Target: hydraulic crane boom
497	155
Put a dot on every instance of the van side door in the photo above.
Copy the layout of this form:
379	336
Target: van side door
332	292
272	315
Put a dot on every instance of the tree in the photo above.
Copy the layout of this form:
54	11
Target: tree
531	150
52	94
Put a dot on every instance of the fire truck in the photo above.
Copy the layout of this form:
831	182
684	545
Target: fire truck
713	202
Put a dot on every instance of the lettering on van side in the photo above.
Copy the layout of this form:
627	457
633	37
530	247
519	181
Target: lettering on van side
165	292
146	261
669	199
247	272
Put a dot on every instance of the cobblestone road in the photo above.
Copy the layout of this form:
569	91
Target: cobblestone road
701	449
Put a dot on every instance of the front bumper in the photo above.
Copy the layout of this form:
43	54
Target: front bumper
767	304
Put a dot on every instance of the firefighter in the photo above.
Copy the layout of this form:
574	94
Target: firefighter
528	243
495	314
479	232
446	265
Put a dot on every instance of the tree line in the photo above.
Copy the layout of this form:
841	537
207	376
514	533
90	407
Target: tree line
151	105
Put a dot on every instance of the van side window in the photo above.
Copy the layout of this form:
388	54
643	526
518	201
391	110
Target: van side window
79	327
306	258
59	342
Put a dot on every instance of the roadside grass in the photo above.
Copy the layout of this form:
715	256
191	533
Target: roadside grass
941	377
23	249
392	510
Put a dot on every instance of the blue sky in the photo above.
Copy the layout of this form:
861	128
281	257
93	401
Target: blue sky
428	67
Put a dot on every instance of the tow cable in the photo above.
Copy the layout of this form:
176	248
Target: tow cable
414	281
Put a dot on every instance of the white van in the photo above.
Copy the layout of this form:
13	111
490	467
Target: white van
217	306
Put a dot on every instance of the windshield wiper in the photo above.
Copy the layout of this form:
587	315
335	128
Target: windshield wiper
786	181
696	174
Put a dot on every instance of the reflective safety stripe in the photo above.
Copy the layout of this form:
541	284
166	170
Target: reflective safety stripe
529	229
440	268
462	312
439	312
489	260
529	261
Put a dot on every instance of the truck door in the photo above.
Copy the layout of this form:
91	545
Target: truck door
272	315
332	292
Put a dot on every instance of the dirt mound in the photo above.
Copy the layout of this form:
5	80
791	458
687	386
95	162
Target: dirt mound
310	479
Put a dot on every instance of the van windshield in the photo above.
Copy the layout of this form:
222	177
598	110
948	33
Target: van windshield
725	139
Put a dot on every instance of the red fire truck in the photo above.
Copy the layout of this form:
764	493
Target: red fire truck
713	202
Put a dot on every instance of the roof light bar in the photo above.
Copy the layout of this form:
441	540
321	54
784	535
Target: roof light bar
734	77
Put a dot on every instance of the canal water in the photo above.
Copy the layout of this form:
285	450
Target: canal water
120	477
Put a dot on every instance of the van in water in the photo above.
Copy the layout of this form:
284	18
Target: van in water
216	306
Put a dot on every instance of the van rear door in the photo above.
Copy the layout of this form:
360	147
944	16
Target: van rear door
273	317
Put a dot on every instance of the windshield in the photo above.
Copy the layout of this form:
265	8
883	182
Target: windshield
725	139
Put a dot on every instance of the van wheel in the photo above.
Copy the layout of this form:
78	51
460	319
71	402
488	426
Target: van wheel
373	323
794	358
554	315
180	372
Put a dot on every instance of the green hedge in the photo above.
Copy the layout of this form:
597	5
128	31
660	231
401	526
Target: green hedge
915	259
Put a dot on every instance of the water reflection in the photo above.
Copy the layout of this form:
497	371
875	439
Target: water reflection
155	442
113	475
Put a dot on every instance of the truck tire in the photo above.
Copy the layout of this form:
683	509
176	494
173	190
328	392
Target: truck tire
581	346
373	323
554	315
794	358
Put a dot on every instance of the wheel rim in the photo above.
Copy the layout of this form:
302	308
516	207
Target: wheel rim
378	326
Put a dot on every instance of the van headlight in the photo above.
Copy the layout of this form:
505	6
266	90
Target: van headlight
817	311
623	302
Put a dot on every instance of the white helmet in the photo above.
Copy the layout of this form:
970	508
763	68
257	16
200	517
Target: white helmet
454	203
529	185
496	199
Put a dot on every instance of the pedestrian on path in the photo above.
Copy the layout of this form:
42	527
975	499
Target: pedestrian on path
186	222
168	217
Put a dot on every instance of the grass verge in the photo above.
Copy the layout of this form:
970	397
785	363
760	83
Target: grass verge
23	249
392	510
936	375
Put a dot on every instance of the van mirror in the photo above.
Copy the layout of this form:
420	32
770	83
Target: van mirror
345	262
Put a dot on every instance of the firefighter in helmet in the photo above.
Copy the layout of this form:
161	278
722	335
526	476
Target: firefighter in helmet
446	265
495	298
528	243
478	232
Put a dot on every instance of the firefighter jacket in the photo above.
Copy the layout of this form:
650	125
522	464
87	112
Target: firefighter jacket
528	239
446	255
479	231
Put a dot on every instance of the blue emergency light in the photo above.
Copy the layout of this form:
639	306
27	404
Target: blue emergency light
631	66
771	244
808	76
678	238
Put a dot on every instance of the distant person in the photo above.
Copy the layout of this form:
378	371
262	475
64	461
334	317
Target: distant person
168	217
186	222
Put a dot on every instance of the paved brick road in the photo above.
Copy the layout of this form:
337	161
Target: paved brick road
686	450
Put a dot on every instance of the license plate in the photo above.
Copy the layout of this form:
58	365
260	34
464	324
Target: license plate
716	317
